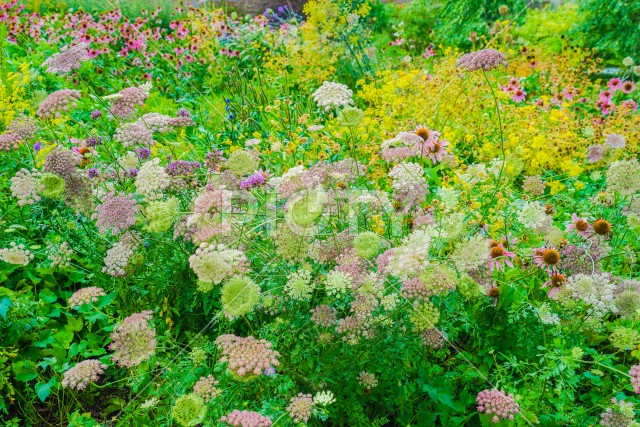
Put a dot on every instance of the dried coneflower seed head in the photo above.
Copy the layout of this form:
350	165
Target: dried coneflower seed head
581	225
494	292
602	227
558	279
423	133
551	257
494	243
497	252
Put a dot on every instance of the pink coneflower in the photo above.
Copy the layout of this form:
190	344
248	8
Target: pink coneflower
555	283
630	104
605	106
547	258
438	151
519	95
426	141
606	95
429	52
498	254
493	292
628	87
614	84
581	225
569	92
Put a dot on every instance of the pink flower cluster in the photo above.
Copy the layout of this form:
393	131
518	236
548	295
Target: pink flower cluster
300	408
324	316
85	296
133	340
485	59
83	373
69	58
117	212
634	373
247	356
497	403
124	103
205	388
9	141
246	419
55	102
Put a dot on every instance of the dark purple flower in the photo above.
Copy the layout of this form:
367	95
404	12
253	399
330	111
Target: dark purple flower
143	153
37	146
92	173
183	112
256	180
95	114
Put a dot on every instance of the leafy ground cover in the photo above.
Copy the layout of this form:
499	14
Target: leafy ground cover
369	215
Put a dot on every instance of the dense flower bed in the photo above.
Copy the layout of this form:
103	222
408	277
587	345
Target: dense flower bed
282	221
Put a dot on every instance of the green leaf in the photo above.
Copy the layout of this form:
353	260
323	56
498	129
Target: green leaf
24	370
5	305
47	295
74	324
43	390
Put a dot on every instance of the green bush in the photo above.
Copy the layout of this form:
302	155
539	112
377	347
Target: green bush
610	26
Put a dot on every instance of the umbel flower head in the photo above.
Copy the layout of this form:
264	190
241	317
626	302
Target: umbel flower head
497	403
189	410
117	213
485	59
60	100
332	95
69	59
367	244
133	340
51	185
350	116
85	296
83	373
9	141
300	408
206	388
246	419
247	356
162	214
239	296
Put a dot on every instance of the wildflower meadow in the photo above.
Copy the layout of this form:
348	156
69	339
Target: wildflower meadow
356	214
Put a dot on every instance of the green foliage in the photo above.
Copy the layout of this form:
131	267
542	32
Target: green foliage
610	26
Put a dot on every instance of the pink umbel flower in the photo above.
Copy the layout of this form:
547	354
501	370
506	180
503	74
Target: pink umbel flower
300	408
634	373
246	356
555	284
116	213
627	87
69	59
246	419
498	254
497	403
581	225
485	59
519	95
614	84
85	296
546	258
133	340
60	100
85	372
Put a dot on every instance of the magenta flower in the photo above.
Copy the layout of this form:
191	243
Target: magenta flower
519	95
614	84
581	225
628	87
